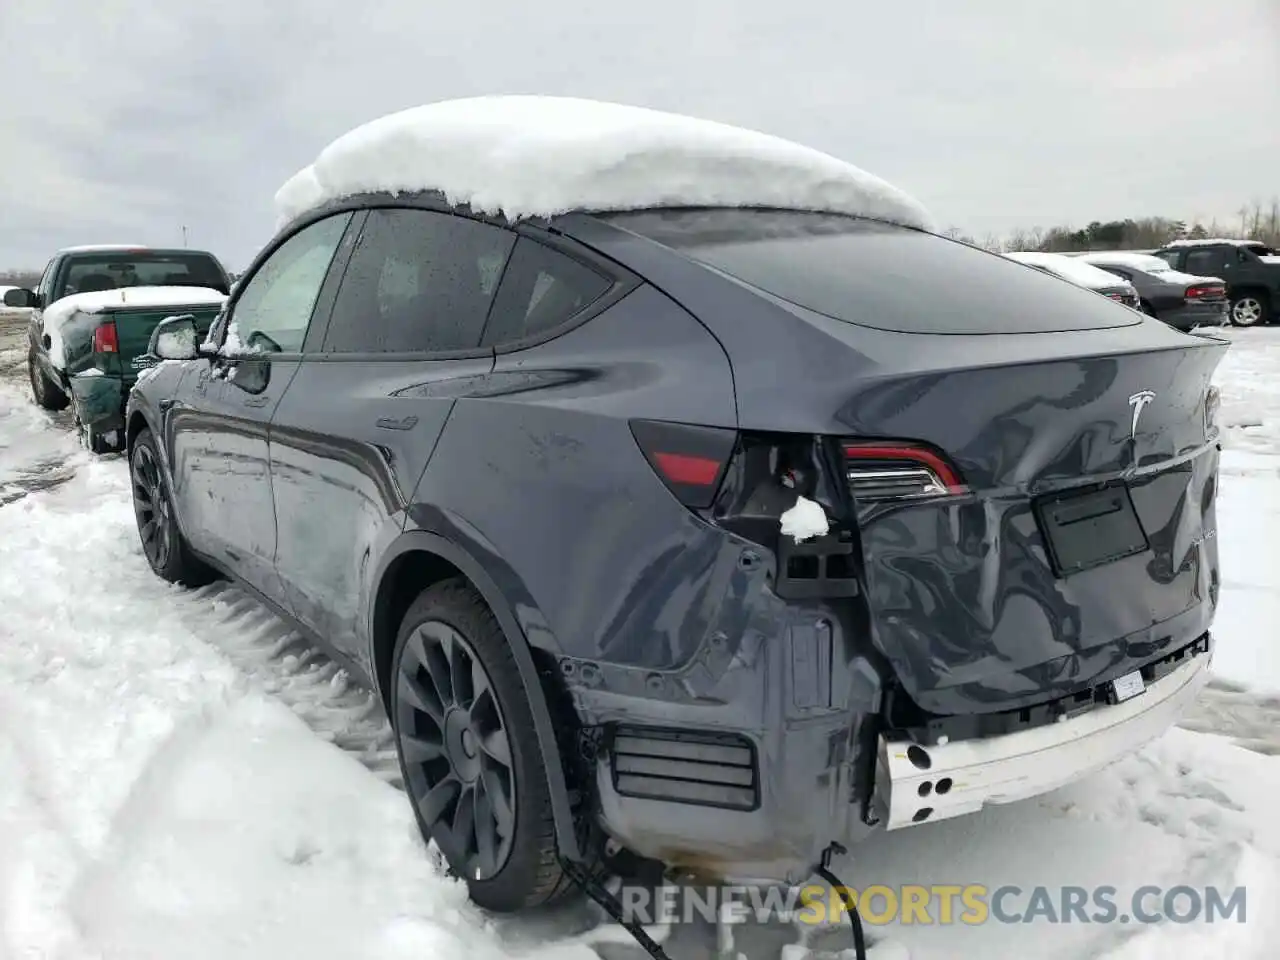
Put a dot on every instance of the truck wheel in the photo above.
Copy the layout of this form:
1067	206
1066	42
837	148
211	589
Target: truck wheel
468	752
1249	310
162	543
47	394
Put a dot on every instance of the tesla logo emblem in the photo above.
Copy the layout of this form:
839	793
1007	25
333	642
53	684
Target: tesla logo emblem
1139	403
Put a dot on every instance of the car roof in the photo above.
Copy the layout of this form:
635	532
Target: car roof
1215	242
1125	258
103	247
126	248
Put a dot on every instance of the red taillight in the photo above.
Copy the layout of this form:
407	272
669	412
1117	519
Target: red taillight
690	459
104	338
1202	292
899	470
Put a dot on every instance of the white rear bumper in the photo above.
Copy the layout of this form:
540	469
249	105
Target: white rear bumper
964	777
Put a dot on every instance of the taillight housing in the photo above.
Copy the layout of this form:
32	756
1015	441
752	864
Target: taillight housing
105	339
1205	291
884	471
690	459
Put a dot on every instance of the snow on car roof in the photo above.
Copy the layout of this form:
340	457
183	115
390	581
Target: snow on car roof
1069	268
1128	258
1152	265
103	247
1215	242
534	156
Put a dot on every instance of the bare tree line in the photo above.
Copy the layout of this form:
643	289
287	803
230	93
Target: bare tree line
1253	222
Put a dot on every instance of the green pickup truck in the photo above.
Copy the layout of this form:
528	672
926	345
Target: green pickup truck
92	319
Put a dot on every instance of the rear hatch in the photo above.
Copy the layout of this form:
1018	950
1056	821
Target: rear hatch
1030	470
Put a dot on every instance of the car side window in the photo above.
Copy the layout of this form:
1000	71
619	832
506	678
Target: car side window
1170	257
541	289
1204	263
46	281
419	281
274	308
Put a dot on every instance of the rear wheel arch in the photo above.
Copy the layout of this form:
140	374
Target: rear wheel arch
418	560
136	424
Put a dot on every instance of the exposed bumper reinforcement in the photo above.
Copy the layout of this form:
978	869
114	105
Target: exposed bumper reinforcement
954	779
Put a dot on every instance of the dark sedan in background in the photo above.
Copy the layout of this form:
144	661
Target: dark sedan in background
1182	300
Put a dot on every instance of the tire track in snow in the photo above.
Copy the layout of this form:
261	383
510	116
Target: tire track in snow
337	707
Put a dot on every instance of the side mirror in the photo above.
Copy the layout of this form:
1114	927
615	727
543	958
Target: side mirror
19	297
174	339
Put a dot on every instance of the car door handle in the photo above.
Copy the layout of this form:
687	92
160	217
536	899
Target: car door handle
390	423
256	402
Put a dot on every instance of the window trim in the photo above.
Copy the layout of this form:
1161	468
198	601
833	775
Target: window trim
622	281
341	254
366	206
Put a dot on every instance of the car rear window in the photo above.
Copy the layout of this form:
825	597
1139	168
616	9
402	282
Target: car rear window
877	275
110	271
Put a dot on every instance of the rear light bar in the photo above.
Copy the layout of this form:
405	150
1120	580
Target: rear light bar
1128	299
105	339
690	460
1200	292
895	470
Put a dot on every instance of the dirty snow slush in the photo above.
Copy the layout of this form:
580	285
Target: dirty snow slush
181	775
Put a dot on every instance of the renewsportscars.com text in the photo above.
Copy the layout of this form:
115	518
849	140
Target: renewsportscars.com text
968	904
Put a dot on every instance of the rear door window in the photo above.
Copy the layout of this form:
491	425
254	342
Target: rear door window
877	275
541	289
1205	263
418	282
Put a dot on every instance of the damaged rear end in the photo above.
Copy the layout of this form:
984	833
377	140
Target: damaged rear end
1020	478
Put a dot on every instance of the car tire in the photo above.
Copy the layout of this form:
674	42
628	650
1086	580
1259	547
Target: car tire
163	545
469	756
1250	310
1149	310
47	394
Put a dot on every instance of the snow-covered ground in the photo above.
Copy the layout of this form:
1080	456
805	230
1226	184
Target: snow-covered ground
181	777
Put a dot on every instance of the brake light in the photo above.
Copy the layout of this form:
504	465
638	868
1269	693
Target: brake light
105	339
897	470
690	460
1200	292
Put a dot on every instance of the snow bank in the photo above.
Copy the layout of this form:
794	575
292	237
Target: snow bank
1070	268
59	314
530	156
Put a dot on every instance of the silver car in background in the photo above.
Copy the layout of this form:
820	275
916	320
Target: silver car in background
1074	270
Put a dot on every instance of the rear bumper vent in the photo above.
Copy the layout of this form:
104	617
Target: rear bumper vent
681	766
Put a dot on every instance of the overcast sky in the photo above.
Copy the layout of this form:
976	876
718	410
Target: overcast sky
123	120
